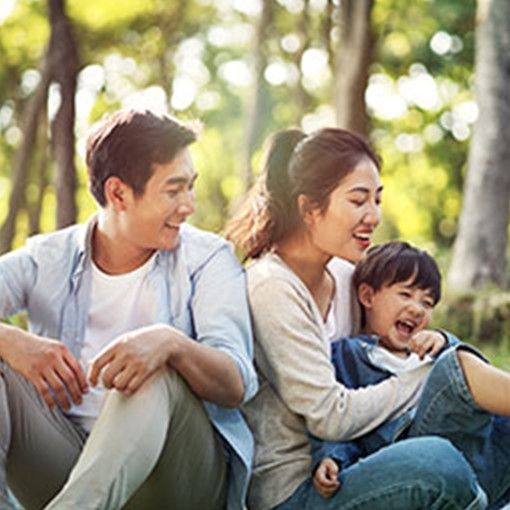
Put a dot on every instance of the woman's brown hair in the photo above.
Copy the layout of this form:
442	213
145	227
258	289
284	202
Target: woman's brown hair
294	165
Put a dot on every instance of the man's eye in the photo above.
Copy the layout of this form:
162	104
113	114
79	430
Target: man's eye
172	192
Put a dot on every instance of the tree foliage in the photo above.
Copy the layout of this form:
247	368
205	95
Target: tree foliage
196	60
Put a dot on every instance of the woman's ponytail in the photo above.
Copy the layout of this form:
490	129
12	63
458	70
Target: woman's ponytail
266	215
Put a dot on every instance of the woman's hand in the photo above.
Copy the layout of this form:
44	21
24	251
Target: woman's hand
427	342
325	479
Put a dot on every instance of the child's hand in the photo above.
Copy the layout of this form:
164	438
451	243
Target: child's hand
427	342
325	479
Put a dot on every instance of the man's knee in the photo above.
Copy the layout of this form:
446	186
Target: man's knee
166	387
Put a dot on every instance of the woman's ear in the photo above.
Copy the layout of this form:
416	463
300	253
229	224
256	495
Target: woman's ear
366	295
306	209
116	193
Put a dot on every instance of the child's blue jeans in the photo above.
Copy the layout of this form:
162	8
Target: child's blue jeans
447	409
428	472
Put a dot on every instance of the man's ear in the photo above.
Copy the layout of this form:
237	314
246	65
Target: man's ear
366	295
116	193
306	209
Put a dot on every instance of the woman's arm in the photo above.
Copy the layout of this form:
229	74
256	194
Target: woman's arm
296	361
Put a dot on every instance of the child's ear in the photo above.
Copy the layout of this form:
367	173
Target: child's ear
366	295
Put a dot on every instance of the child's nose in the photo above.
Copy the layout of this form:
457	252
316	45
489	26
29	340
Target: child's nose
417	309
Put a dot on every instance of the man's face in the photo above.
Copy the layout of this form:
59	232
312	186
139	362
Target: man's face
152	221
396	312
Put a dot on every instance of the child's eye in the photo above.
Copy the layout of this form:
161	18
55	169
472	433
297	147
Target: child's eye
405	293
428	303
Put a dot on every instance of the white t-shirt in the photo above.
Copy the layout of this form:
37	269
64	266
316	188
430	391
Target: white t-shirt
340	315
383	358
118	304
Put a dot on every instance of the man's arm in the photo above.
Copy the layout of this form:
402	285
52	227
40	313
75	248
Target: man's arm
46	363
133	358
216	365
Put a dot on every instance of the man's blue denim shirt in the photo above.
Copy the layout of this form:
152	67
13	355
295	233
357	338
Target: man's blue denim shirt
199	287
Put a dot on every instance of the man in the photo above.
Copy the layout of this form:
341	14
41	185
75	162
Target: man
140	303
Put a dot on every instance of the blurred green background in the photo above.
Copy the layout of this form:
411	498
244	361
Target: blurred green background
404	71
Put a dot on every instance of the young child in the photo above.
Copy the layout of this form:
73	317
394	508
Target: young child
461	395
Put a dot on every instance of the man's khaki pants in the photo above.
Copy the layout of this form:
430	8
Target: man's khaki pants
153	450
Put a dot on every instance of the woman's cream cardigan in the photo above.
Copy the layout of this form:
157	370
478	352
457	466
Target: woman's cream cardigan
298	391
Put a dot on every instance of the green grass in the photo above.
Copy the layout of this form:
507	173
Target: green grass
498	355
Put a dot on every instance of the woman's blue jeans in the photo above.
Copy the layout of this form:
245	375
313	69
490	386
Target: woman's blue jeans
425	472
447	409
412	474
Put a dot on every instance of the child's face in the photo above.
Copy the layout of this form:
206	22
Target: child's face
396	312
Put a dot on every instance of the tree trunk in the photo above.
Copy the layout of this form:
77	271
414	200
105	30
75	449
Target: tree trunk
256	97
301	96
480	246
354	56
64	65
169	24
326	28
30	122
41	181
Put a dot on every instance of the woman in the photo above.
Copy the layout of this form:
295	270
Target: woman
321	200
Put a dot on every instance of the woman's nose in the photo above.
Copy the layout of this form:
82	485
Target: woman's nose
373	216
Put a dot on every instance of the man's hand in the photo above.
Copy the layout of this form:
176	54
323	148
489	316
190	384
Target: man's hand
50	367
325	479
427	342
132	358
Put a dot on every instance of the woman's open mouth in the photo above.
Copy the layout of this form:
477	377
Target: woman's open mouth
363	239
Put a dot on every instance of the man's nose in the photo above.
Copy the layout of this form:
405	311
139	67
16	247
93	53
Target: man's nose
187	205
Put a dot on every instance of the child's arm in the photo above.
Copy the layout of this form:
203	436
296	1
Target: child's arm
325	478
343	453
328	458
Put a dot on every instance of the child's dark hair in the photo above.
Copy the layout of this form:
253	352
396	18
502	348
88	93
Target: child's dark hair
397	262
127	145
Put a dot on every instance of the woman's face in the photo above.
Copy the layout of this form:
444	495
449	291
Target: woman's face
345	228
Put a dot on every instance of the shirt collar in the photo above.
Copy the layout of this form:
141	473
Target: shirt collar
84	243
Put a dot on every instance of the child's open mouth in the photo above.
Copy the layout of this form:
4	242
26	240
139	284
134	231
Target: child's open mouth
405	327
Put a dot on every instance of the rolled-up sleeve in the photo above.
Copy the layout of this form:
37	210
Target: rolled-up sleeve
221	315
17	276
